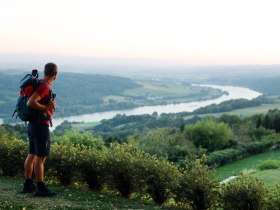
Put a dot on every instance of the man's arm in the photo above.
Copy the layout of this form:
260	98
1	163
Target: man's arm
33	102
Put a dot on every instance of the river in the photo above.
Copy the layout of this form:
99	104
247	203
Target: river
233	93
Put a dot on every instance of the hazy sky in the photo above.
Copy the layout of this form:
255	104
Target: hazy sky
196	32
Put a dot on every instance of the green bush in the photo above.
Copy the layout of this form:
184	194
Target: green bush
12	155
162	178
269	164
273	199
132	170
125	169
63	162
243	193
76	138
209	134
92	166
198	186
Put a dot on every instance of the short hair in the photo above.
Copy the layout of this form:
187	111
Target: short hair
50	69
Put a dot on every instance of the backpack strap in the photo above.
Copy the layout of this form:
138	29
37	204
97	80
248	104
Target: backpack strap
14	113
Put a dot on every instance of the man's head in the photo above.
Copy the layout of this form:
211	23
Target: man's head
50	70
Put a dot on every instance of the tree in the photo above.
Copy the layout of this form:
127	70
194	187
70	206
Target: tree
209	134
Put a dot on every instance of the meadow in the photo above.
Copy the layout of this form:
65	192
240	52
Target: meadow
251	162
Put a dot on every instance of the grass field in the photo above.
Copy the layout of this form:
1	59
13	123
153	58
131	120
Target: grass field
171	92
67	198
83	125
236	167
268	177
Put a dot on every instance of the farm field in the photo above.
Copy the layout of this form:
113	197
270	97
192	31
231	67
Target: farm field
236	167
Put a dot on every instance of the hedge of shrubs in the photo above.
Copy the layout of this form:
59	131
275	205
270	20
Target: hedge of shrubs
222	157
123	168
12	155
119	167
269	164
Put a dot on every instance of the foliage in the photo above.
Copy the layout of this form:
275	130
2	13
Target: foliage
133	170
125	168
228	155
198	186
162	179
243	193
122	126
164	142
273	198
269	164
75	138
19	130
129	170
271	120
63	161
209	134
91	164
12	155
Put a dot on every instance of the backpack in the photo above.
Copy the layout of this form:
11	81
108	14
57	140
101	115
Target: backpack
27	87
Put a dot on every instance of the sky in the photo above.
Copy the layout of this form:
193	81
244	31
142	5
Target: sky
193	32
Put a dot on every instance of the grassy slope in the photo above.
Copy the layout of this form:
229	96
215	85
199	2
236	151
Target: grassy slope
268	177
236	167
67	198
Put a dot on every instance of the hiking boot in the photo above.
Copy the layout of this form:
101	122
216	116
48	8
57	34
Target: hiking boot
43	191
28	186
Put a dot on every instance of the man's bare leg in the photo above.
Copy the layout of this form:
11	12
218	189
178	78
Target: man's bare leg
29	166
39	168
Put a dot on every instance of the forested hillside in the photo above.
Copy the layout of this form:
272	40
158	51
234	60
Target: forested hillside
264	84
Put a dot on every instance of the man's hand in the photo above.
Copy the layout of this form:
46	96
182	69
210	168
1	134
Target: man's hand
51	105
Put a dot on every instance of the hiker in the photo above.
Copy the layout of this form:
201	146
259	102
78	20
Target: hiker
39	134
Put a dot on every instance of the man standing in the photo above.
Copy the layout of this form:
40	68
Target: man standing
39	134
